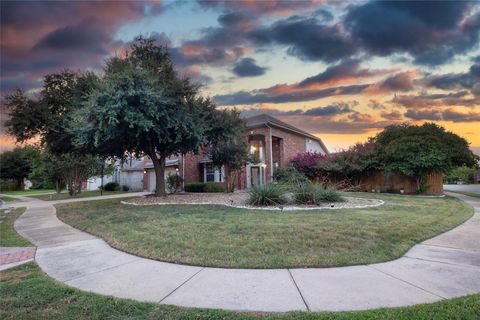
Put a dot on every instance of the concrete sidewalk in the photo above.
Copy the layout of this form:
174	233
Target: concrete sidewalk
443	267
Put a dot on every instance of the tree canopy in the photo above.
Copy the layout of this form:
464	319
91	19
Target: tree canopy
142	106
16	165
49	116
418	151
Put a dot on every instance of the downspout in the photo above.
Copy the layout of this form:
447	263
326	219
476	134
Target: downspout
183	171
271	150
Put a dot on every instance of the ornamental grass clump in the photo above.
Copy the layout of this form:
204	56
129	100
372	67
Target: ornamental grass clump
329	194
267	195
309	194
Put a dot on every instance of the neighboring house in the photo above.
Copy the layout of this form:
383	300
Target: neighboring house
273	142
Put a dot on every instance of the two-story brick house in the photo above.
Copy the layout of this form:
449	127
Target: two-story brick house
273	142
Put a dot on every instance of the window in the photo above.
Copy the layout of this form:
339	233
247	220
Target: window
211	173
256	149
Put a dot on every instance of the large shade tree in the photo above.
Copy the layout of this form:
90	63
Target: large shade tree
418	151
142	106
49	118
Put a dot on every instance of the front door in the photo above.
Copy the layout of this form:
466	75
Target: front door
256	176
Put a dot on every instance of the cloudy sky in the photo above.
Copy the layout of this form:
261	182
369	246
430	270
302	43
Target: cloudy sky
340	70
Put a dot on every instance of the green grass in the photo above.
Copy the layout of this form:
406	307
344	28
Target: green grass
8	236
27	192
26	293
9	199
83	194
466	193
220	236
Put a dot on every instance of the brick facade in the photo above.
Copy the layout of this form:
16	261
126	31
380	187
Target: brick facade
280	145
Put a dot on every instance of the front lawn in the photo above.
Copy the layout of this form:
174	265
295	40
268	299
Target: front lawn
8	236
83	194
216	235
26	293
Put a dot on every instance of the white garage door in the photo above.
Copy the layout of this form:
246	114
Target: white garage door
151	178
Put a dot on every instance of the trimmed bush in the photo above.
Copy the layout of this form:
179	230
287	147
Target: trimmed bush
204	187
195	187
267	195
308	194
289	176
125	188
111	186
214	187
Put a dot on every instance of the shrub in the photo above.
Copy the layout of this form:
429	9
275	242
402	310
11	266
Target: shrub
111	186
307	162
312	195
214	187
289	176
195	187
174	183
329	194
204	187
125	188
267	195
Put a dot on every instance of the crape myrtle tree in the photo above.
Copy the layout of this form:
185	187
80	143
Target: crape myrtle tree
49	118
142	106
228	145
418	151
355	163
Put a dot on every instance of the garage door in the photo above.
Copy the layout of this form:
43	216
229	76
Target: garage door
151	178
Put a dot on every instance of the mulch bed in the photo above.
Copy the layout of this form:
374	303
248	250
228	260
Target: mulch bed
239	200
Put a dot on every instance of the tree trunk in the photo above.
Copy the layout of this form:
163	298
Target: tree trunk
159	167
20	184
58	186
101	178
417	180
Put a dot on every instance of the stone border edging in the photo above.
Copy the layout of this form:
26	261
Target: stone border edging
284	208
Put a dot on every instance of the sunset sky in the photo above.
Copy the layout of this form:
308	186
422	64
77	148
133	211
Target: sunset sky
340	70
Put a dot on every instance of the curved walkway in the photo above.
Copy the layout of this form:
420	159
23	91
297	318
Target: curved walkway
443	267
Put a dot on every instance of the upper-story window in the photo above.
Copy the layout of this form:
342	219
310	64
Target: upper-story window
256	149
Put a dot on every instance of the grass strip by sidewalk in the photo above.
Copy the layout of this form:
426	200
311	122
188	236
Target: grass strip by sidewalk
9	199
8	236
27	293
83	194
27	192
466	193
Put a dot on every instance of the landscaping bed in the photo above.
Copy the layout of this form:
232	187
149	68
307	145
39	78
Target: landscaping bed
221	236
240	200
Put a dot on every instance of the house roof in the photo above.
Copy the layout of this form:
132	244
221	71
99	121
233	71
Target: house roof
265	119
140	165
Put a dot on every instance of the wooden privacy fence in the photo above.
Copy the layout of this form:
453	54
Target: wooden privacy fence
397	181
